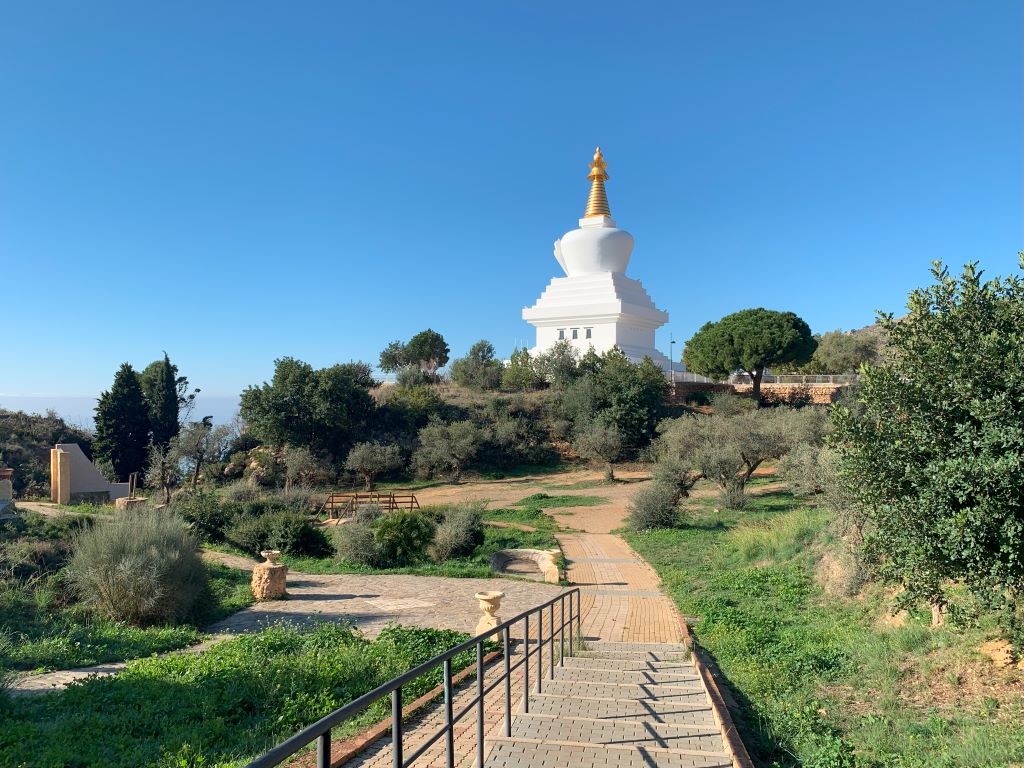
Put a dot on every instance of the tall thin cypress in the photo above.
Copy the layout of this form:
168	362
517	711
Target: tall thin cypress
122	424
160	387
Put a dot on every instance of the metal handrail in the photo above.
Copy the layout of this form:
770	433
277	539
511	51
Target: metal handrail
320	731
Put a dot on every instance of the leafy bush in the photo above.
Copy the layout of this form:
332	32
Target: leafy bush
800	468
141	567
289	532
402	536
205	515
240	490
656	506
460	532
932	455
412	376
354	543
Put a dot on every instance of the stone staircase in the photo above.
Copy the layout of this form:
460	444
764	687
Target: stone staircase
617	705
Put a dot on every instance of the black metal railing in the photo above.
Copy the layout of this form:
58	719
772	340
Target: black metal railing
320	731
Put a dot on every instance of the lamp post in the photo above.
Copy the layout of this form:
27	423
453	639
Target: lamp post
672	361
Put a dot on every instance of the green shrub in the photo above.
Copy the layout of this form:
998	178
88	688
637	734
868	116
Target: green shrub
205	514
289	532
402	536
460	532
800	468
141	567
656	506
354	543
240	490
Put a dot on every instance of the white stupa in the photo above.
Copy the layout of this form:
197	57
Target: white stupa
595	304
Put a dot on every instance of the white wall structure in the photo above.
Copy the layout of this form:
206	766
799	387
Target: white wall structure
80	477
595	304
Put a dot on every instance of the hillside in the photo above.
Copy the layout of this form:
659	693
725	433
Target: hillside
25	443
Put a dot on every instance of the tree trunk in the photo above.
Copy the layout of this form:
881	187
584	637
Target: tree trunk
167	493
755	377
456	474
195	475
609	472
368	477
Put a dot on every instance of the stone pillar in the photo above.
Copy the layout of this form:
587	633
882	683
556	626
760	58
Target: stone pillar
6	490
270	578
63	477
54	476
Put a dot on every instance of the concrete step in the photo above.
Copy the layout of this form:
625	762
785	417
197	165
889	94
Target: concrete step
705	738
628	665
520	753
625	692
619	647
634	655
683	677
696	712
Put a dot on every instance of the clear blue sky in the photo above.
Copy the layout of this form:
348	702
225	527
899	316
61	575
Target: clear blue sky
234	182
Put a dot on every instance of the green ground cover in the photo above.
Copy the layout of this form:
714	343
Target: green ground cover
44	627
824	680
475	566
219	708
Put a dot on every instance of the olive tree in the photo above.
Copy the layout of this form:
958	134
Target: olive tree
479	369
727	449
199	444
932	451
427	350
372	459
600	442
750	340
447	447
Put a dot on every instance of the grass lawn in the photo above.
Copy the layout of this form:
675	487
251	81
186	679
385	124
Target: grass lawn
43	627
222	707
823	680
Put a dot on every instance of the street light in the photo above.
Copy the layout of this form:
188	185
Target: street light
672	359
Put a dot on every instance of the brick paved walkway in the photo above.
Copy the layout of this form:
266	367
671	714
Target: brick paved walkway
633	698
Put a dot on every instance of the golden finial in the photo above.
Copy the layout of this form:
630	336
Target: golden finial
597	203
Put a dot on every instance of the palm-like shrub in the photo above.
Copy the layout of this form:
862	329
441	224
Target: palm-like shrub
289	532
402	536
143	567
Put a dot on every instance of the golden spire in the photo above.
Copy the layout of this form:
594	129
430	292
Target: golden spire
597	203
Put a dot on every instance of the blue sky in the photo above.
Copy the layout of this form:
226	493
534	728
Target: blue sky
234	182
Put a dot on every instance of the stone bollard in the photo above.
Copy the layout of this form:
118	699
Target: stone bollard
490	602
124	503
270	578
6	488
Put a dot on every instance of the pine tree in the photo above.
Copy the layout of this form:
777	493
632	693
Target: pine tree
160	386
122	424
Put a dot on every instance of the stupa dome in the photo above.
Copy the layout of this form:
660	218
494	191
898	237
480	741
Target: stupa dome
594	247
597	245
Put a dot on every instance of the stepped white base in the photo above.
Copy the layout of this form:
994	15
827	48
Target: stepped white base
602	311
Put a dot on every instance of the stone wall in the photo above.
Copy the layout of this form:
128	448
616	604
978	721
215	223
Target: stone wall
818	394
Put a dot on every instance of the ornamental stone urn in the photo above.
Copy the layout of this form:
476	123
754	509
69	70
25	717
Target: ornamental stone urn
269	578
490	602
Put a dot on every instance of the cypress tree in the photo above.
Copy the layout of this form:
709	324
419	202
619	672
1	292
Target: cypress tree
160	386
122	424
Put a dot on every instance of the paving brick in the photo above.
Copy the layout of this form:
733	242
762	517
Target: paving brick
505	754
